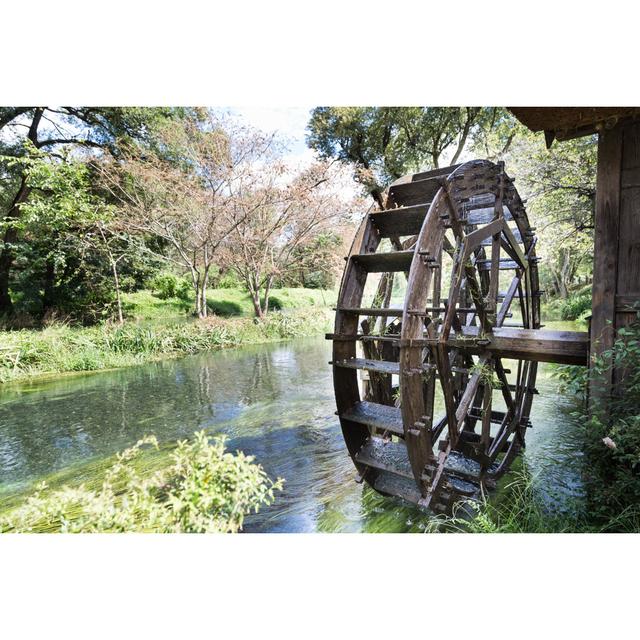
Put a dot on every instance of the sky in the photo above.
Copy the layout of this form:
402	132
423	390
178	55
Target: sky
290	122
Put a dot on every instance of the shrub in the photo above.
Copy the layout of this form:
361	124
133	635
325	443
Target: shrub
612	431
574	308
167	285
203	490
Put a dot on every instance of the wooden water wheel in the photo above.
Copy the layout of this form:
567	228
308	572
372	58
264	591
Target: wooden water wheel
437	336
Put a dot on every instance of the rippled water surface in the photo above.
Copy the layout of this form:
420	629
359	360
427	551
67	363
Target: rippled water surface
273	401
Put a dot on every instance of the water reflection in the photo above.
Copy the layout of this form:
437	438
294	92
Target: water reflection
273	401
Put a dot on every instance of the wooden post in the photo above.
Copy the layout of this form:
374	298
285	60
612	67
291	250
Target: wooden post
616	266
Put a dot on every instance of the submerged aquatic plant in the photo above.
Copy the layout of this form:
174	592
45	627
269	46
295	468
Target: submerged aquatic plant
204	489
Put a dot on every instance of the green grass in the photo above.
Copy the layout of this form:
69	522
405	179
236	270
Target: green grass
144	306
518	508
61	348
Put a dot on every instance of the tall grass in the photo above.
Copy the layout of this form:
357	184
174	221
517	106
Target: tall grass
61	348
519	508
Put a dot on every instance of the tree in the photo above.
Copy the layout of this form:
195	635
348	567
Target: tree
384	143
274	218
317	262
65	219
48	130
190	194
559	185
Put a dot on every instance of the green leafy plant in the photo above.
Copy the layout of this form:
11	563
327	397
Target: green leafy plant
611	430
576	307
167	285
486	374
204	489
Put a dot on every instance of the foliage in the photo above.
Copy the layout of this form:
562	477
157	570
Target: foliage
611	430
203	490
317	262
576	307
275	219
167	285
518	510
559	186
486	375
41	181
384	143
206	178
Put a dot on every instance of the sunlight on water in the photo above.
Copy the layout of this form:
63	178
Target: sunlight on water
274	402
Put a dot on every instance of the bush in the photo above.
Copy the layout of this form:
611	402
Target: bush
167	285
203	490
226	280
612	431
576	307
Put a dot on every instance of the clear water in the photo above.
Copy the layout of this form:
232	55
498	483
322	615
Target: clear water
274	402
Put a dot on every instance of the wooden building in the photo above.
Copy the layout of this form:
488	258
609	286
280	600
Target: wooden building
616	268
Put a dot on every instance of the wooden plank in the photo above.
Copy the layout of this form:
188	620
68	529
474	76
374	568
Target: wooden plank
625	302
404	221
469	393
538	345
383	262
386	456
516	235
378	416
473	239
484	215
507	299
368	311
379	366
392	484
345	381
495	252
440	171
415	192
505	263
628	276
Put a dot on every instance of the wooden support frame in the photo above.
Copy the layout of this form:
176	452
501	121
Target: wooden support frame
399	446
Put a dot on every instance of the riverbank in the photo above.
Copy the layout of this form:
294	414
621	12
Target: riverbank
61	349
147	306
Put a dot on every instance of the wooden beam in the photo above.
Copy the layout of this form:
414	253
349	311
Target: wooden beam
605	262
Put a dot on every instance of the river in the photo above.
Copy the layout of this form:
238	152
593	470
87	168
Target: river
273	401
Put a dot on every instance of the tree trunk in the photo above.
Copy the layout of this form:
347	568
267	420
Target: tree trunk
48	296
195	280
203	293
267	290
116	280
7	254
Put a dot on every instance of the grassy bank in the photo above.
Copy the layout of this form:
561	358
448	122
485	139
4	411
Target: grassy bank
144	306
60	348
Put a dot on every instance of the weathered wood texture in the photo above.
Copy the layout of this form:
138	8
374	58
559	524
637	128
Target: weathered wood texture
568	122
616	269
